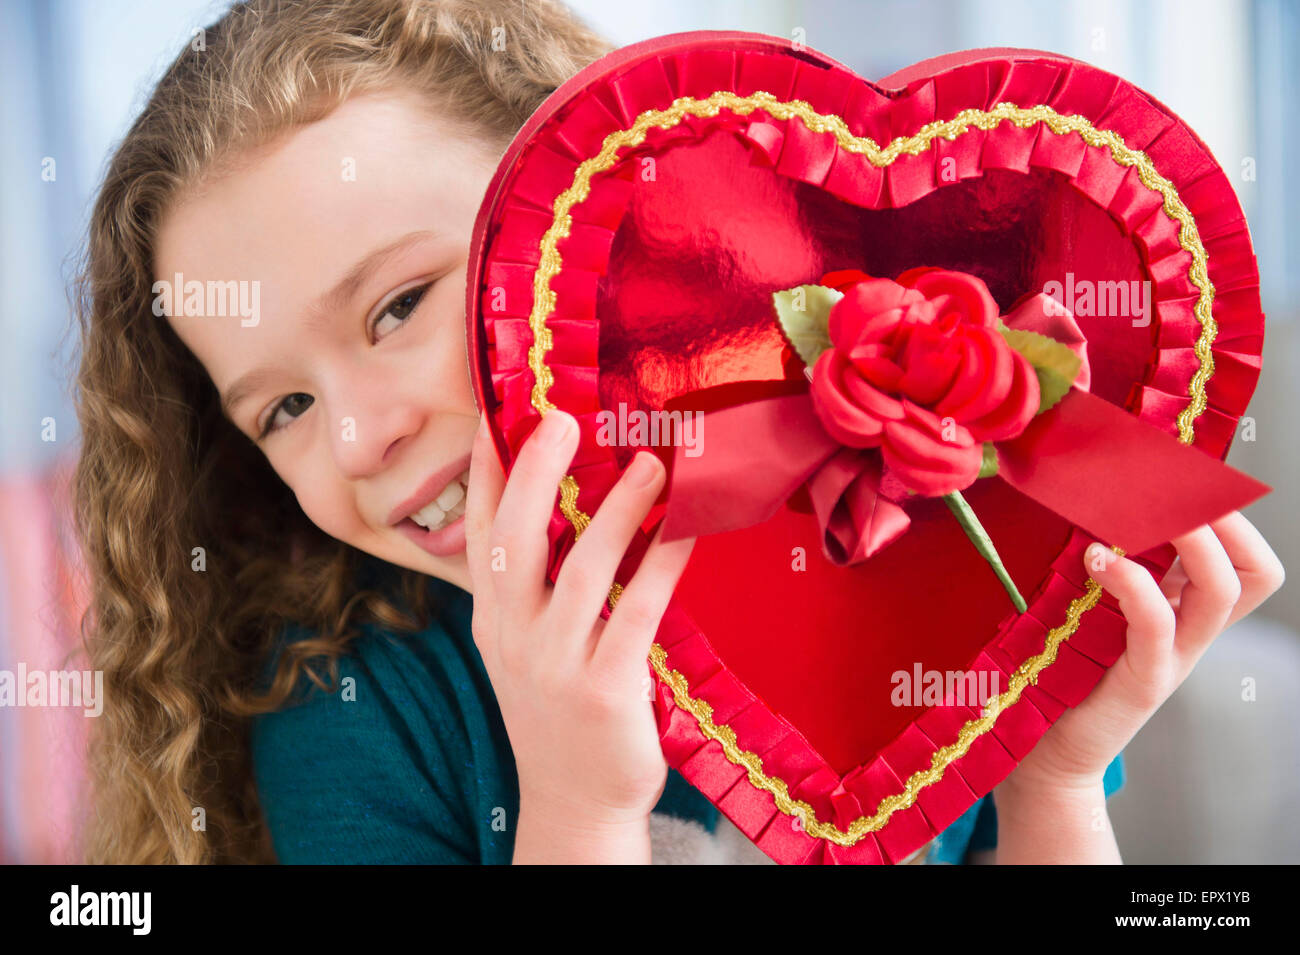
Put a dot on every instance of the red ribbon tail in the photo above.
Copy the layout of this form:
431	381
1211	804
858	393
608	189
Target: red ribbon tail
1076	458
749	459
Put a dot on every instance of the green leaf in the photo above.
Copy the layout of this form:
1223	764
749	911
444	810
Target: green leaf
1051	388
1054	363
803	312
989	465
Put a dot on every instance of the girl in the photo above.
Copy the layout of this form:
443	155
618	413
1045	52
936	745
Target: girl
304	486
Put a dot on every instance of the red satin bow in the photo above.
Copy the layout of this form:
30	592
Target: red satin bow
761	449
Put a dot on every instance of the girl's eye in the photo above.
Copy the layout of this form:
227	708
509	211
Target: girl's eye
293	406
397	312
394	315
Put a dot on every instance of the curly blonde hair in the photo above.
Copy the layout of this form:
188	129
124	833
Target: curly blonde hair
162	471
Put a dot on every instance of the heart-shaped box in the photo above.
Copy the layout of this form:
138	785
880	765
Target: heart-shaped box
626	254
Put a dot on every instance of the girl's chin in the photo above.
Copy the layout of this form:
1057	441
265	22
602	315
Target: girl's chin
451	572
445	560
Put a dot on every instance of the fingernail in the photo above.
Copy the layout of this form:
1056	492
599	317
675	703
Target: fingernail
554	429
642	471
1096	556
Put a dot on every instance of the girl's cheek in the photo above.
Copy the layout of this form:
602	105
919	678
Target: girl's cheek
301	457
330	509
435	366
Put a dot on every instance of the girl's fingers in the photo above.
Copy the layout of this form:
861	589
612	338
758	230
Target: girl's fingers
1151	621
1223	572
1211	592
584	581
1173	582
1257	567
526	507
625	641
482	497
486	479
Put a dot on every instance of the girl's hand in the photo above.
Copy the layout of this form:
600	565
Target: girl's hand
572	688
1224	571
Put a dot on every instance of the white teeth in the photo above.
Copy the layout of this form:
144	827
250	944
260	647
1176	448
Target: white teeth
430	516
449	505
451	495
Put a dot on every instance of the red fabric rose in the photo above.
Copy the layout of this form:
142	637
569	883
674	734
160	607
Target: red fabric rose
918	368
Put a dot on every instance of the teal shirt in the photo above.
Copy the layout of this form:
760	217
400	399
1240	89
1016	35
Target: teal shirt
409	761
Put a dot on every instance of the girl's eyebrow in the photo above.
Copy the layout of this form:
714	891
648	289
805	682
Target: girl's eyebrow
335	299
348	286
243	387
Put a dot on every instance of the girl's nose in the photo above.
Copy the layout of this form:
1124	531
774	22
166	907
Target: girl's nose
369	428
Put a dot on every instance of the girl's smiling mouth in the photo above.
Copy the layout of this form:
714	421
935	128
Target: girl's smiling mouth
433	517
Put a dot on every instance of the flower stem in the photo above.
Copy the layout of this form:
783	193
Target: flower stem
980	538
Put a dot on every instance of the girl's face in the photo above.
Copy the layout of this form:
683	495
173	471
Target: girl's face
346	360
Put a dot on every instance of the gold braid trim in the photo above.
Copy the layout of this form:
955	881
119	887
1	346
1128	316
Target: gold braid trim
1026	674
544	305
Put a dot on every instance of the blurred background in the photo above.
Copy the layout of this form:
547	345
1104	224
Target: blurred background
1212	778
